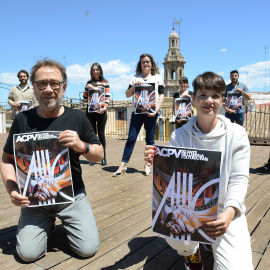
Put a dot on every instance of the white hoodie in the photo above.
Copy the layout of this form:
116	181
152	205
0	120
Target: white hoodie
232	140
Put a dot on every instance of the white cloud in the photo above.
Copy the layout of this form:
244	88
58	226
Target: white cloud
254	75
9	78
78	73
114	68
221	73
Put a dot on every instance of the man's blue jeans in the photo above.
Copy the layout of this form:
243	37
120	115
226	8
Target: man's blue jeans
239	118
136	122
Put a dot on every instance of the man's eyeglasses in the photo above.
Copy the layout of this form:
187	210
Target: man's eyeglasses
55	85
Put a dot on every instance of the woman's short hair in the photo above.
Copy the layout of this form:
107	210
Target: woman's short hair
210	81
153	63
101	77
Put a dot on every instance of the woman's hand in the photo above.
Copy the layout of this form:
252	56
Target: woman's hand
149	152
219	227
89	86
151	114
101	111
138	82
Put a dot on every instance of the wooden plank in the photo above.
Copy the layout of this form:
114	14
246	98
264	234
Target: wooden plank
260	238
123	205
52	259
124	224
265	262
122	251
256	257
258	212
255	184
255	196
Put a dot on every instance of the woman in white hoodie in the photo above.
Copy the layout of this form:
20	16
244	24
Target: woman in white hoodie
208	130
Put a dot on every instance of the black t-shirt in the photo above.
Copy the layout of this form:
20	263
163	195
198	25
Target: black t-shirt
29	121
176	95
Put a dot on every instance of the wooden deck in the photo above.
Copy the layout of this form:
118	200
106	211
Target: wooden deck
122	207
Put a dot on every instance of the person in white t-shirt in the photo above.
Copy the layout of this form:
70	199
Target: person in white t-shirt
147	77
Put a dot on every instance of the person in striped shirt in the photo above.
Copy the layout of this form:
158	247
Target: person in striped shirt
98	116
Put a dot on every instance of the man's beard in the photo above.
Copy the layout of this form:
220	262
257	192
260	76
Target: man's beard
56	103
23	81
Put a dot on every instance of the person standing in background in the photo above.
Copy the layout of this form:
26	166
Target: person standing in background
184	92
21	92
235	86
98	119
145	73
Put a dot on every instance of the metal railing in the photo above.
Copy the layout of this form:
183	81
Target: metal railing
257	123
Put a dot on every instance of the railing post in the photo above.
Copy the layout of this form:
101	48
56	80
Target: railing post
161	125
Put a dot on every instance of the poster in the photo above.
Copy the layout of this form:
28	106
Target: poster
145	98
234	100
96	98
182	108
43	168
25	105
185	192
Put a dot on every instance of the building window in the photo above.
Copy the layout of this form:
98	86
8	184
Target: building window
173	75
172	43
121	114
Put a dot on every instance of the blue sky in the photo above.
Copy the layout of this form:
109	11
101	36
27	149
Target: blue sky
120	31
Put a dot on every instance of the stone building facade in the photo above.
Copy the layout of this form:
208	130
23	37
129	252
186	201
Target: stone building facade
173	66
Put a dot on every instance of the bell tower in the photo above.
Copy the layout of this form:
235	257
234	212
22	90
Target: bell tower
173	66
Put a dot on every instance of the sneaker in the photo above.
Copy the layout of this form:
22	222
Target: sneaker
194	261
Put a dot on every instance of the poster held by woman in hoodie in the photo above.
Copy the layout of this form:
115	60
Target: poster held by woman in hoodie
185	192
43	168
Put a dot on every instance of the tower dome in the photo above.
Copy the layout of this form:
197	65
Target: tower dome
173	66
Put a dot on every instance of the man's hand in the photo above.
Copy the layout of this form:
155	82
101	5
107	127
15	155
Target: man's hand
19	200
239	90
230	111
70	138
16	104
219	227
